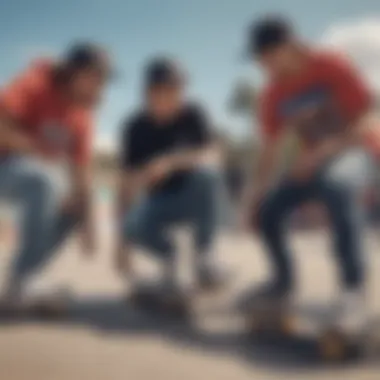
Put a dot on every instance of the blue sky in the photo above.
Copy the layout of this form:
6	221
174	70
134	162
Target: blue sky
206	35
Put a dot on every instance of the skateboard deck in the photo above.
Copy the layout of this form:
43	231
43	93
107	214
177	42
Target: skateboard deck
46	307
314	339
311	334
150	296
218	284
329	347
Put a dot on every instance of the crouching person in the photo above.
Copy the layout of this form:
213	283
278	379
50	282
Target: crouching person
164	179
45	133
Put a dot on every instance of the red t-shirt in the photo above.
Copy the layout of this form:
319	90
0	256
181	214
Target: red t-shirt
60	129
322	100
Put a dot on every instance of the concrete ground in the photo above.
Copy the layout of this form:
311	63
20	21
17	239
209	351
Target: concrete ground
103	339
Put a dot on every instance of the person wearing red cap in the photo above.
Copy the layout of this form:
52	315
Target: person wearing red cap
45	151
320	98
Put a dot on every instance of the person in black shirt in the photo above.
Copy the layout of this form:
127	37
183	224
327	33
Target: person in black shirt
164	146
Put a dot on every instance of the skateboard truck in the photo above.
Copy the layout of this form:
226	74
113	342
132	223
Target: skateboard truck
150	297
337	346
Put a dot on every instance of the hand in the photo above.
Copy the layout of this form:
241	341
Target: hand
306	166
158	169
88	232
244	219
123	260
88	240
247	216
71	205
302	170
309	162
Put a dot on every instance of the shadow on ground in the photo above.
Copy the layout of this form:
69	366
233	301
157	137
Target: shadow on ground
114	316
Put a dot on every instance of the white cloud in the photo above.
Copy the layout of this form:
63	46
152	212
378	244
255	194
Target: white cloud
360	40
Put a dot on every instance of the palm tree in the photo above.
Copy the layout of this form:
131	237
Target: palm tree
243	99
243	102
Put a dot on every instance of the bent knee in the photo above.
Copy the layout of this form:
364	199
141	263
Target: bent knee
206	178
131	228
39	187
137	229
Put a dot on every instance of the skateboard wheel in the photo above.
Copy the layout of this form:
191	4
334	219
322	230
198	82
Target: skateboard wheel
7	311
286	325
54	310
253	326
141	299
333	346
175	307
163	305
264	325
256	324
131	299
372	339
211	287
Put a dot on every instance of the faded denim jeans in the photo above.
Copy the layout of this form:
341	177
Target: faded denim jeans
29	184
197	204
339	187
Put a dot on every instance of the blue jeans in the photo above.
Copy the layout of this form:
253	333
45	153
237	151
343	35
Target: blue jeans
339	186
196	204
42	227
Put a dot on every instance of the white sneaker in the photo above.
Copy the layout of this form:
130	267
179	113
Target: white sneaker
352	316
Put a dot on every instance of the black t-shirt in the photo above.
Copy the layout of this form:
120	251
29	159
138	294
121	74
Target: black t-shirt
144	139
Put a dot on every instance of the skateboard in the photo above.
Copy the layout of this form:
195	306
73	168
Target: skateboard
216	285
282	328
48	308
153	298
53	307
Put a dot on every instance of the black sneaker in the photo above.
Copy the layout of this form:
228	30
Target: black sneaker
267	297
212	279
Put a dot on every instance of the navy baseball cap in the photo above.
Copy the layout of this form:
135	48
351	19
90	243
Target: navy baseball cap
266	34
163	72
86	55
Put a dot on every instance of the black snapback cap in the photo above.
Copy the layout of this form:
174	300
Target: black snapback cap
266	34
163	72
88	55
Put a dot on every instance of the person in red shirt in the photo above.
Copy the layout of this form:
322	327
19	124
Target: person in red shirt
45	150
318	97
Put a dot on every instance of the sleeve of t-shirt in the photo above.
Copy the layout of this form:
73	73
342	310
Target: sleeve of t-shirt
200	126
351	90
124	147
16	98
269	123
83	144
130	148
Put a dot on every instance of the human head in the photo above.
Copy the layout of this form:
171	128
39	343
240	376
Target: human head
83	72
164	87
274	45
